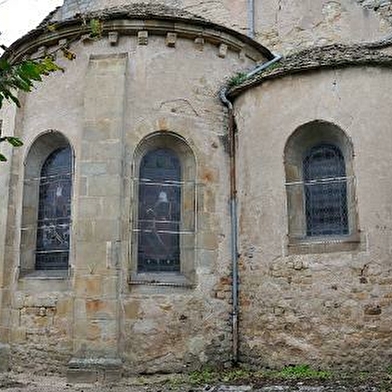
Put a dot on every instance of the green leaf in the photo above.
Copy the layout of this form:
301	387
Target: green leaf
96	28
2	158
50	66
52	27
16	142
22	76
30	70
4	65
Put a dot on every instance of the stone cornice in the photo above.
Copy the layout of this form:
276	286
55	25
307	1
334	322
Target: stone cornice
331	56
128	23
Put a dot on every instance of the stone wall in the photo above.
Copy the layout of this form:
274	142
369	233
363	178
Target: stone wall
320	304
287	26
118	92
327	305
41	320
281	25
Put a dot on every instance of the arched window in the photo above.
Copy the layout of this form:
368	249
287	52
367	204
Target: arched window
46	214
325	188
54	211
159	212
163	241
320	189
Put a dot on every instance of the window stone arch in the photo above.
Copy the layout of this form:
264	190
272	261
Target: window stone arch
46	208
320	187
163	228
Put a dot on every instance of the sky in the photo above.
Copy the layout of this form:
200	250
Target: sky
17	17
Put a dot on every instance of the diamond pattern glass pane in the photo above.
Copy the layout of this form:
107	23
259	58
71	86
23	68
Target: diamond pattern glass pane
159	212
325	191
54	211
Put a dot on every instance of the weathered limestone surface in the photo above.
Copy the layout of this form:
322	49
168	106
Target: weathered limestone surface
95	315
288	26
231	13
374	54
149	75
282	25
327	308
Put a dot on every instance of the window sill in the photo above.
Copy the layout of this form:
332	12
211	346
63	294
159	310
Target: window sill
317	245
45	275
47	281
160	279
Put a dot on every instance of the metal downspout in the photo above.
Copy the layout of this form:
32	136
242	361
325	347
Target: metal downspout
251	18
234	207
261	67
233	217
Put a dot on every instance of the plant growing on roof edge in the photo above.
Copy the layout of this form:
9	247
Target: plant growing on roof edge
237	79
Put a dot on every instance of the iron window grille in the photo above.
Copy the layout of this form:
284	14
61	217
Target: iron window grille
54	211
159	212
325	191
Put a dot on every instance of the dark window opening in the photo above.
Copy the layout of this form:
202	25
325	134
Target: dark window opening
159	212
54	211
325	186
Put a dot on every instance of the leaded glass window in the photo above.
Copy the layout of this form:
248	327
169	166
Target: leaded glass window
54	211
159	212
325	186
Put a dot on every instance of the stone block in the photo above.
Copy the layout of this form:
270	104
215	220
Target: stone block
222	50
101	310
4	357
298	265
93	168
88	285
132	310
93	369
207	260
142	37
105	185
372	310
91	255
106	229
64	308
208	241
111	206
89	207
93	331
209	200
18	335
171	39
83	186
162	124
106	125
18	300
41	52
109	287
78	376
84	230
113	38
199	43
80	309
63	42
112	375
